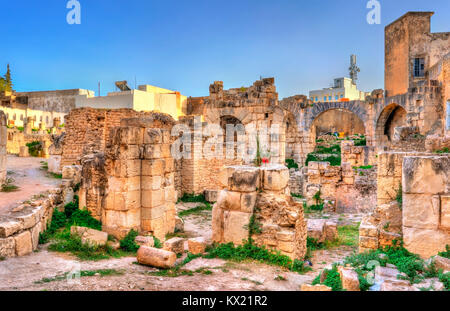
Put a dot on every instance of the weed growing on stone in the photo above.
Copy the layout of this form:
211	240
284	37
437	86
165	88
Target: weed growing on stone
128	244
445	254
8	186
102	273
331	279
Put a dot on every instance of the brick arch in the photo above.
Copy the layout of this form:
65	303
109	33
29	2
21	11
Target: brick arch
383	116
356	107
214	115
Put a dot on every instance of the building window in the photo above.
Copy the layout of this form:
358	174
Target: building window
419	67
342	95
336	97
448	115
329	98
324	98
317	99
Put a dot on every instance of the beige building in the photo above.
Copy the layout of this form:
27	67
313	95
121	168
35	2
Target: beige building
145	98
343	90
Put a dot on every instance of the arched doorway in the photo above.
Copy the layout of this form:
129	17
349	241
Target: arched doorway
391	117
342	121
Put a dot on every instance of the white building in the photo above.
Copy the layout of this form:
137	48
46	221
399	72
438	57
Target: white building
343	90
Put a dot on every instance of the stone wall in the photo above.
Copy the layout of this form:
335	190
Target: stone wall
257	204
132	184
357	155
20	227
3	139
426	204
345	188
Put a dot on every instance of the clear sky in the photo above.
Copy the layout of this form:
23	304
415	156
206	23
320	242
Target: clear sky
185	45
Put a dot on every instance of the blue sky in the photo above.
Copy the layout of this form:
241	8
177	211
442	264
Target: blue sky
186	44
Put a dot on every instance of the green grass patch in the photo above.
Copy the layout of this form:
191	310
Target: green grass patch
295	195
250	251
205	207
445	254
332	279
442	151
128	244
192	198
34	148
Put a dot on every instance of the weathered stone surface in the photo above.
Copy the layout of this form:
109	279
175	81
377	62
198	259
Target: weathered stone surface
23	243
349	279
90	236
7	247
211	195
442	263
235	227
275	178
425	242
72	172
145	241
425	174
155	257
316	229
9	227
396	286
421	211
315	288
245	179
197	245
175	245
331	232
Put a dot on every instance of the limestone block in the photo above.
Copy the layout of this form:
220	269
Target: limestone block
217	223
248	201
158	227
211	195
9	227
286	236
425	174
245	180
154	167
445	213
152	152
442	263
170	195
421	211
90	236
144	241
316	229
331	232
425	242
275	178
54	164
151	182
197	245
315	288
72	172
229	200
23	243
152	198
28	218
153	136
121	219
7	247
386	238
155	257
369	230
396	285
235	227
287	247
153	212
349	278
368	242
175	245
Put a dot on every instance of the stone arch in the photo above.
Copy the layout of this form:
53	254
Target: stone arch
393	115
356	107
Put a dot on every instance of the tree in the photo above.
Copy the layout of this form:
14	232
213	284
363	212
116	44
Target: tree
8	78
3	85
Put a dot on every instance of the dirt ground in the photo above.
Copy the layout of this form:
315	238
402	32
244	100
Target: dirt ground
29	177
38	270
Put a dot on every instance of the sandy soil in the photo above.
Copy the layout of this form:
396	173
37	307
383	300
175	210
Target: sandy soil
30	178
28	272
